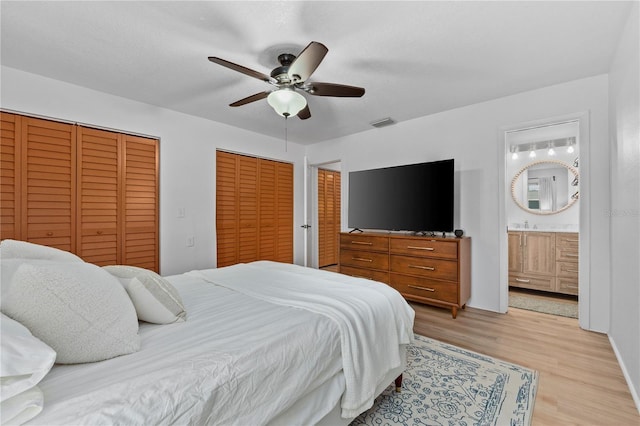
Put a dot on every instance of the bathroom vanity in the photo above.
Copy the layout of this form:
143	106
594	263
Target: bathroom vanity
543	260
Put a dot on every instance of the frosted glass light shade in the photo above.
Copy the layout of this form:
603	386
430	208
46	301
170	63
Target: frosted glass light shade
286	102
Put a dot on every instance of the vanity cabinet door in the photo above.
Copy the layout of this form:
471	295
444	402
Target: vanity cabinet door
515	251
539	252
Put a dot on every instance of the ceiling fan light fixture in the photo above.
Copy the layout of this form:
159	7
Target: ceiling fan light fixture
286	102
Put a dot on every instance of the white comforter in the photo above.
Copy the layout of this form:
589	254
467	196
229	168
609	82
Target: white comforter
236	360
373	319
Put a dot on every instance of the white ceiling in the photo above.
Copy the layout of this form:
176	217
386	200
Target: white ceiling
413	58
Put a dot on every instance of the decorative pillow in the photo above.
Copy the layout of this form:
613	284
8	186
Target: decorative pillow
24	360
8	268
155	299
76	308
13	249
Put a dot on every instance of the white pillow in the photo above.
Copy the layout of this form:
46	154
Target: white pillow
13	249
78	309
155	299
8	268
24	359
22	407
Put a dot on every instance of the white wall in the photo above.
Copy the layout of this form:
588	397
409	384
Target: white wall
624	92
187	158
470	135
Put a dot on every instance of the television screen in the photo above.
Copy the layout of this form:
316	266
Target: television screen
414	197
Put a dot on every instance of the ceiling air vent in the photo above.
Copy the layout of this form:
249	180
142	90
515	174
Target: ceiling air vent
383	122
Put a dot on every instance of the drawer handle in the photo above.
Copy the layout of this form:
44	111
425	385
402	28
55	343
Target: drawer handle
364	243
520	280
421	248
421	288
49	234
571	255
571	240
428	268
571	270
362	259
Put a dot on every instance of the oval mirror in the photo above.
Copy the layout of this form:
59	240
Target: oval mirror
545	187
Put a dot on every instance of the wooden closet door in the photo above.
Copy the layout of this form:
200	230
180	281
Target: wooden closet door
328	216
284	215
236	208
10	176
48	181
98	194
267	210
254	209
139	205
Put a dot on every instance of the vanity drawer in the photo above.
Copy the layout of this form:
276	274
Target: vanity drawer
567	285
369	274
532	282
567	269
425	288
364	259
424	247
425	267
364	242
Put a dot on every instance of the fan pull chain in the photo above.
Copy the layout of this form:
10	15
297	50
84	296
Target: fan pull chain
286	136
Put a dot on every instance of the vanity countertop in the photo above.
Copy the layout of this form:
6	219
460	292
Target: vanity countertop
543	228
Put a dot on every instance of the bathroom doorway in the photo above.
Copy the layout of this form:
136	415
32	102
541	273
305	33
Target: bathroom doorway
541	216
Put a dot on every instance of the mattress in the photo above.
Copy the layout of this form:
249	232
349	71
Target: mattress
238	359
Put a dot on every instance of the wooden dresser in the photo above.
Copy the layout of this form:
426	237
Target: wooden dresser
430	270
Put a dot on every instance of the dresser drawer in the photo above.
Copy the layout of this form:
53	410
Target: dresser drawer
567	269
364	259
568	240
532	282
369	274
424	247
364	242
425	267
425	288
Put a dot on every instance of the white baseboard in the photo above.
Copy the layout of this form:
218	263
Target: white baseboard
634	392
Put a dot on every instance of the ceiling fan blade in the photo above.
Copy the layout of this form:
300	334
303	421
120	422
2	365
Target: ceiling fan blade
331	89
304	113
307	61
250	99
243	70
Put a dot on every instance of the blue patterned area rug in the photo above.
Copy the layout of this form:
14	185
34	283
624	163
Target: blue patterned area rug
446	385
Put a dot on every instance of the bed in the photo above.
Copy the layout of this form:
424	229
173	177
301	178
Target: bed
259	343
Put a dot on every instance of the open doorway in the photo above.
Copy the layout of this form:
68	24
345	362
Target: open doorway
541	214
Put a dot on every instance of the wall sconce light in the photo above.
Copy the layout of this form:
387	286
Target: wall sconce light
551	152
286	102
532	152
570	149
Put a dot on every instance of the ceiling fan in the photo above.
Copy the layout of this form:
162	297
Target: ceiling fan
290	78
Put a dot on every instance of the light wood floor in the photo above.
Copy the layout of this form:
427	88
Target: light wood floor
580	382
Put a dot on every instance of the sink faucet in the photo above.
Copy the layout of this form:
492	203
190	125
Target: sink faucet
526	224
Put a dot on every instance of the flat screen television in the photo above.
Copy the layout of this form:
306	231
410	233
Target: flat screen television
414	197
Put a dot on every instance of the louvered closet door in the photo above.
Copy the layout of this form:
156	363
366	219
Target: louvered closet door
48	183
227	221
140	241
328	216
268	210
285	212
98	194
254	209
10	176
